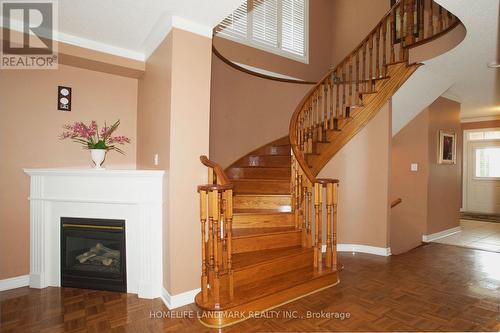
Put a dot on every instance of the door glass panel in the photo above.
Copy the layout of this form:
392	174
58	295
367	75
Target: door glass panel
487	162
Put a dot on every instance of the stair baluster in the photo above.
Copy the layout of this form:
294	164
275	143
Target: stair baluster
322	117
402	52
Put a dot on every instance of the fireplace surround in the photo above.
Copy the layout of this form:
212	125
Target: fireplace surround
135	197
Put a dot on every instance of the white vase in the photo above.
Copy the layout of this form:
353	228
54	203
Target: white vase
98	156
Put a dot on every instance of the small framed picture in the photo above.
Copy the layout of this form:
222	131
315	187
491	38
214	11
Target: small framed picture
447	147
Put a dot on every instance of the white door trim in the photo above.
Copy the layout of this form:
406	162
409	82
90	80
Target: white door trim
465	162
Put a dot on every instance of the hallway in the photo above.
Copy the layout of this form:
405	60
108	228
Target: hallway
475	234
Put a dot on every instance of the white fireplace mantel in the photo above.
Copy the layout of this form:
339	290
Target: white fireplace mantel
136	196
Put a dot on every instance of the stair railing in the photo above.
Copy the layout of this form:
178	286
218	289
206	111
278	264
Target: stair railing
216	217
338	95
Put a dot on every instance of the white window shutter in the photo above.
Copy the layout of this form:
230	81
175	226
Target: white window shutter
293	26
265	22
235	24
277	26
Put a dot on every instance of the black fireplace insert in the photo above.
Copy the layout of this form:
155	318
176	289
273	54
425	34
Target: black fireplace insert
93	254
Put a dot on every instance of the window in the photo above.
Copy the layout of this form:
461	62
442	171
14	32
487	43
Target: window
276	26
486	135
487	162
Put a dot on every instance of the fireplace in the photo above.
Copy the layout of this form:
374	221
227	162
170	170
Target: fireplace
93	254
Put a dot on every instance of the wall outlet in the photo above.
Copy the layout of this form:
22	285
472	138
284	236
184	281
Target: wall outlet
156	159
414	167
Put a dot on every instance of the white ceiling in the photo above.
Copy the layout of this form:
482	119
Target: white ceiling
134	28
476	85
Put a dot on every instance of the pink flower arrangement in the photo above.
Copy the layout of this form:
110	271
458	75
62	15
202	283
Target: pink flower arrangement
92	138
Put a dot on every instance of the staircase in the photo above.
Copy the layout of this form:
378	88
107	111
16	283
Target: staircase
268	225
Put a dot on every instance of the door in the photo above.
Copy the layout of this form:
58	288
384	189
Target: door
483	176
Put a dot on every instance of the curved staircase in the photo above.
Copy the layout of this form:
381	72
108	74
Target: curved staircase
268	225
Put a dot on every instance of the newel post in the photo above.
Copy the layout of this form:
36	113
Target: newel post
330	186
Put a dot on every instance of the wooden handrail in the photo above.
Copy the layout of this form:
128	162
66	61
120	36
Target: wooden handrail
219	172
396	202
333	101
262	76
347	85
215	187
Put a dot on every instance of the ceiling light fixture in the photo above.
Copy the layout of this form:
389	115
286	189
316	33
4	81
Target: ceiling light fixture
494	65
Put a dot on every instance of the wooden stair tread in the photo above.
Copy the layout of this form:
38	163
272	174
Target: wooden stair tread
282	282
248	232
262	195
260	180
246	259
259	172
248	211
261	167
261	186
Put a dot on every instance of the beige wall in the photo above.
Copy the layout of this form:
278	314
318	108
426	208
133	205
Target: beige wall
444	180
363	167
431	196
173	121
189	138
319	48
29	128
153	109
247	111
408	220
351	22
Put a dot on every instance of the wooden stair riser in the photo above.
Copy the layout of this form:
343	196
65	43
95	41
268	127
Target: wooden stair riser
274	150
266	241
265	161
262	187
275	267
259	173
277	202
262	220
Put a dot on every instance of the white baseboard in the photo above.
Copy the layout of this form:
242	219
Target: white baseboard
378	251
176	301
15	282
441	234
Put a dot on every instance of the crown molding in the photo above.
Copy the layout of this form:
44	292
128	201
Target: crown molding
161	29
191	26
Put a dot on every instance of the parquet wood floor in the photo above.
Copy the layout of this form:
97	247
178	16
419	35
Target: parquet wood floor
432	288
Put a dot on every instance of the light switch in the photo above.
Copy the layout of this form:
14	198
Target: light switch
414	167
156	159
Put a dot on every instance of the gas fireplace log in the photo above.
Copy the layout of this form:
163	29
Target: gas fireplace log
99	253
85	256
108	253
103	260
